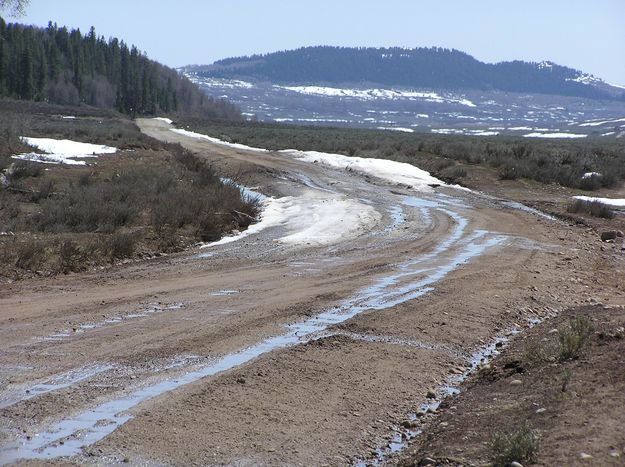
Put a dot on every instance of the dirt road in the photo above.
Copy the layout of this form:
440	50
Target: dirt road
283	347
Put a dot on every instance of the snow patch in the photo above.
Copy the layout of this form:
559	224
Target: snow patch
545	65
373	94
193	134
603	122
463	131
585	78
554	135
391	171
218	82
391	128
62	151
164	119
619	203
591	174
311	219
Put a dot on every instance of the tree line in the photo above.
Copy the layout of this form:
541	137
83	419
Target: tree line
64	66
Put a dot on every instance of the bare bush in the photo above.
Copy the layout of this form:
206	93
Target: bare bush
24	169
574	338
121	246
70	256
30	255
519	446
592	208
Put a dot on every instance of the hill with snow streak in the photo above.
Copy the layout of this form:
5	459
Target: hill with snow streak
430	68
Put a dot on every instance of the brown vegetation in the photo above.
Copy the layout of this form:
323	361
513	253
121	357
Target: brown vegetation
563	162
146	199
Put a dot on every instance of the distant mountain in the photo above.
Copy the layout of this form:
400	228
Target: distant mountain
431	68
60	66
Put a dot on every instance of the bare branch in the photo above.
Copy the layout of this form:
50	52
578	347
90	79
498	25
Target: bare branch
14	7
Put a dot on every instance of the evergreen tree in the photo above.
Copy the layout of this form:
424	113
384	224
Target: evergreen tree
26	75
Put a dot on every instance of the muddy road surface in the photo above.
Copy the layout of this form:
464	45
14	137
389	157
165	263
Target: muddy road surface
307	341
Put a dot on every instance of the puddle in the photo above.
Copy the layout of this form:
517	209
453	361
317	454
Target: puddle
224	293
396	213
55	383
81	328
206	255
247	193
393	341
310	184
523	207
411	279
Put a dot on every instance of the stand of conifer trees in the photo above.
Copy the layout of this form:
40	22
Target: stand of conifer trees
60	66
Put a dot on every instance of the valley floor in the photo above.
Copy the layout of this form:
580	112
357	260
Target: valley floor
268	351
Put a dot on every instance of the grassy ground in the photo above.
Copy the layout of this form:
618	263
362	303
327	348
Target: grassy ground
146	199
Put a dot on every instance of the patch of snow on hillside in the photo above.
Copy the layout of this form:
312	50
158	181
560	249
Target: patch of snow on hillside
591	174
615	202
373	94
585	78
545	65
391	171
554	135
164	119
392	128
193	134
62	151
220	83
603	122
463	131
483	133
447	131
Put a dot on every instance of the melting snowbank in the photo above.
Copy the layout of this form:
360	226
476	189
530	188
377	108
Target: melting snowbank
193	134
392	171
554	135
615	202
311	219
62	151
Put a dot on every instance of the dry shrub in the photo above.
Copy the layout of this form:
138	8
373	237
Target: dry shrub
30	254
574	338
592	208
519	446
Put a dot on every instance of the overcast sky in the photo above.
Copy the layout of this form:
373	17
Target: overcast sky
588	35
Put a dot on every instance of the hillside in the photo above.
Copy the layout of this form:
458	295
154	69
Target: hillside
62	66
434	68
